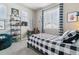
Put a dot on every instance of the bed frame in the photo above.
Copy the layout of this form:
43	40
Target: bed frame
35	49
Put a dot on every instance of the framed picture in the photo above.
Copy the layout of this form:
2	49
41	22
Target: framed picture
14	11
2	25
24	15
72	17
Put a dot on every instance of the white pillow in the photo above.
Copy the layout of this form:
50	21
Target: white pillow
60	38
73	32
66	35
77	43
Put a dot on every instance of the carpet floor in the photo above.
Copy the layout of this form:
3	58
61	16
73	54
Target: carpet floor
18	48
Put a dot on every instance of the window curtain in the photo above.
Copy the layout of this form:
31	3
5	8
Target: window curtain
60	19
52	20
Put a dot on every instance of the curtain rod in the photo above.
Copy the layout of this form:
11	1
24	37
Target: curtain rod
50	7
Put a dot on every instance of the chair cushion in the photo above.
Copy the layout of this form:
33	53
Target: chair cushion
2	37
5	41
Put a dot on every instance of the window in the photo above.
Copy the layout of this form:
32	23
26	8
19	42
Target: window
51	19
3	12
25	18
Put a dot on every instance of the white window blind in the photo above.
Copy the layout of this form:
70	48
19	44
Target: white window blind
51	20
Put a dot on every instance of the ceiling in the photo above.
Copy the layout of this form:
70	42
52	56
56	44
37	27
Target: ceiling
36	5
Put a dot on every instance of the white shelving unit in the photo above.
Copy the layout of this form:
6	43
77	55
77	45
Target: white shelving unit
15	27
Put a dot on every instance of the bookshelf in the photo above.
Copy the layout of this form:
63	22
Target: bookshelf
15	28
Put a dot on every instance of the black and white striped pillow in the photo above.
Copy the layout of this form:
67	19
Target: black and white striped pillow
70	37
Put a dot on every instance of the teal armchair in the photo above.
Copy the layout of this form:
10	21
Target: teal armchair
5	42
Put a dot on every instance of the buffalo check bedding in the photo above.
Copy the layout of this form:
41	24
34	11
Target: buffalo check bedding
48	46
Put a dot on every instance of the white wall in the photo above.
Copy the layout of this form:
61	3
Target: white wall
35	16
38	20
68	7
39	17
20	8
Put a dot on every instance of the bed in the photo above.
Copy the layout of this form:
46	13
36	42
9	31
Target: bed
46	44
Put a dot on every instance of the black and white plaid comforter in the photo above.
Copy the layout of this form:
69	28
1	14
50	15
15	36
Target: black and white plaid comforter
49	47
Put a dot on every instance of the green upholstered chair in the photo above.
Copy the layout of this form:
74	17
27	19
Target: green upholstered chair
5	41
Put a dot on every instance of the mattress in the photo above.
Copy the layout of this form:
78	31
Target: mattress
49	45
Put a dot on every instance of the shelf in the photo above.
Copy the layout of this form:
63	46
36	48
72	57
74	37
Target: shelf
15	29
15	34
14	39
15	20
15	25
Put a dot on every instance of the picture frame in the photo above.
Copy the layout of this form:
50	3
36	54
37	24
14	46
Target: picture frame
72	16
2	24
14	12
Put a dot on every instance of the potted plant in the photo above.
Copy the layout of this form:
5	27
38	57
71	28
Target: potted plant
29	33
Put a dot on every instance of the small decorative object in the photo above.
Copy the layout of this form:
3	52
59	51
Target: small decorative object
2	25
14	11
24	23
72	16
29	33
36	31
